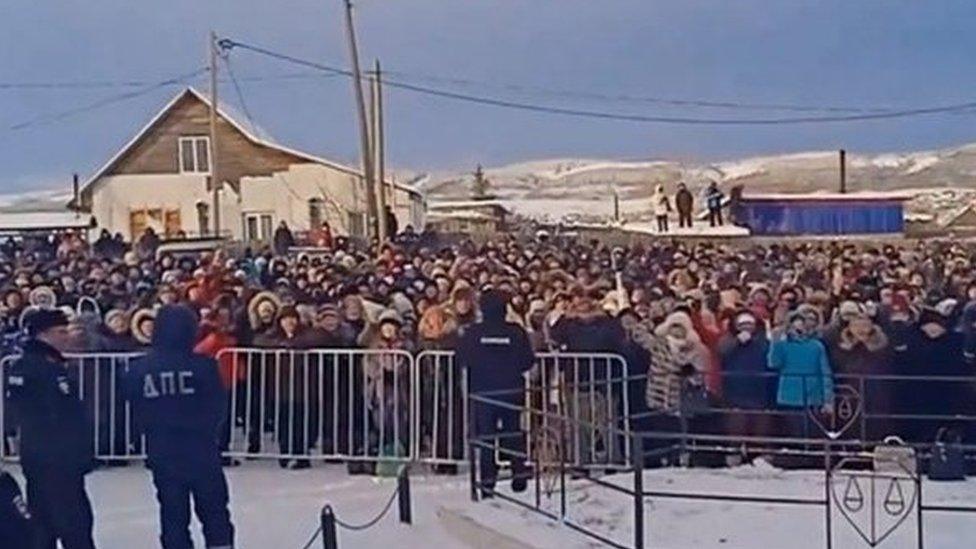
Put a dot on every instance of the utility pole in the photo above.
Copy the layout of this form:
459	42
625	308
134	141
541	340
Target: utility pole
364	136
380	149
214	173
843	171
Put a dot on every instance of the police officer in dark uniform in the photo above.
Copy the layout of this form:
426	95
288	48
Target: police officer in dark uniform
495	354
56	439
180	403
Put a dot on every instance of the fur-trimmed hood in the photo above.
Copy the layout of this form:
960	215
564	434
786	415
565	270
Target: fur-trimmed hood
876	340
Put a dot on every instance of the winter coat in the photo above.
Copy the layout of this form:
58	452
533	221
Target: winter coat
684	201
805	377
670	368
746	382
177	395
856	362
55	429
495	353
941	356
707	328
661	204
714	198
231	369
387	373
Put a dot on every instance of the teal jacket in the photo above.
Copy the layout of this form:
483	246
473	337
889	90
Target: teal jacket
805	377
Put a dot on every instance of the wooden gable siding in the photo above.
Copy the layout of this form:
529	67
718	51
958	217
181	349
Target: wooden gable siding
158	151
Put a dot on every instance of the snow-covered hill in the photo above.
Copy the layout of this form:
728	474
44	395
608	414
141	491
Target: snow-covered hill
560	187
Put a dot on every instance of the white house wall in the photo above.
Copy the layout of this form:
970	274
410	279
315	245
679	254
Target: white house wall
287	196
117	195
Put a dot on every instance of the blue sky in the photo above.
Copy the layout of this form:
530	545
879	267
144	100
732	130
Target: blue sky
862	54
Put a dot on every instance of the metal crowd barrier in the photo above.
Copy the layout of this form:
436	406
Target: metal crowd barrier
355	404
348	404
592	392
441	413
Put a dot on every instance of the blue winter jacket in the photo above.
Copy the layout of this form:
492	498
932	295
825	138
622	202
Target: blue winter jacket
805	376
177	395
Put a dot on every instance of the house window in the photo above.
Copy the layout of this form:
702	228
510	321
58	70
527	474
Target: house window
162	221
258	226
195	155
357	225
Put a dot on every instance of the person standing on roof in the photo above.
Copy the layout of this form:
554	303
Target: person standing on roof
685	203
713	199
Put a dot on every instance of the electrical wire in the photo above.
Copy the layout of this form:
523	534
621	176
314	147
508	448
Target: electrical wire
228	44
626	98
106	101
108	84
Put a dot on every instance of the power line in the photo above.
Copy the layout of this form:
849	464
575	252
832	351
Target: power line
228	44
105	101
640	99
109	84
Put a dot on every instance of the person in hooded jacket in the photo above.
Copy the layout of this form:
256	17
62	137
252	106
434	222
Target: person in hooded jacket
746	385
179	399
56	439
861	352
805	376
496	354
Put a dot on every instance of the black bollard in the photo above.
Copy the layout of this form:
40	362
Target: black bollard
329	528
403	494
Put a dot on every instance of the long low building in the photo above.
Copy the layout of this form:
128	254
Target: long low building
161	179
821	213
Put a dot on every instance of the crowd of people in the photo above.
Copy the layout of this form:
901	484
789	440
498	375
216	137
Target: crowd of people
740	339
762	326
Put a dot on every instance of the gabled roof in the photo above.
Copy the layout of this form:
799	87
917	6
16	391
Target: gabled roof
263	140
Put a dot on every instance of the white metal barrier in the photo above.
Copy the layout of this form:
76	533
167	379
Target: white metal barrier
349	404
441	412
356	404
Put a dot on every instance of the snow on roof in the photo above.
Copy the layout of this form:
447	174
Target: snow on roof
462	204
825	196
36	221
698	229
252	135
468	215
918	217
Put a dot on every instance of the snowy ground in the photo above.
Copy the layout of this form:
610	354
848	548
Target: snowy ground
280	509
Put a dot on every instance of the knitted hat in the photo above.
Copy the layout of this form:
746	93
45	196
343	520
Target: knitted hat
328	309
390	316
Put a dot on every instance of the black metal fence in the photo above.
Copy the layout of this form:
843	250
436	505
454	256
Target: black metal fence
870	487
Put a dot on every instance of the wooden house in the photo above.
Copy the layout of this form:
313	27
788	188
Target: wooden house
161	179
